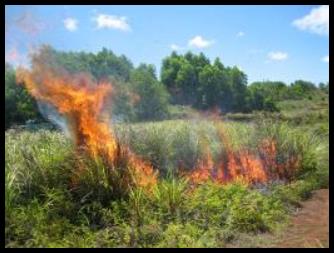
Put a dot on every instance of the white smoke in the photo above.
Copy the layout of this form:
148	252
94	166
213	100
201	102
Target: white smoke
49	112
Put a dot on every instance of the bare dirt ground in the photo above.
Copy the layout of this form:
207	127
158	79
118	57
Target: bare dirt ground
310	225
308	228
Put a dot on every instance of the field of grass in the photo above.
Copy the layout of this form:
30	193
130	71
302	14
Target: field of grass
45	209
307	113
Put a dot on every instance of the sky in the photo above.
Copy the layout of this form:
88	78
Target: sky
277	43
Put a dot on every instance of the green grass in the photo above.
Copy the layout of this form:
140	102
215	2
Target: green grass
44	209
303	113
182	112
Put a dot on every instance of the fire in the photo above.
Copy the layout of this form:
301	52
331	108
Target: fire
249	167
245	165
80	100
204	169
276	169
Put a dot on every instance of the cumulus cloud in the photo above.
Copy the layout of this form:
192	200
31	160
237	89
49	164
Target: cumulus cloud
317	21
277	56
112	22
71	24
325	58
196	42
200	42
175	47
240	34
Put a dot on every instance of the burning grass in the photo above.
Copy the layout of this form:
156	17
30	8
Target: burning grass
261	166
220	152
43	209
80	101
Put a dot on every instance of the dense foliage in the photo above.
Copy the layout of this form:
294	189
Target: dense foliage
193	80
188	79
153	97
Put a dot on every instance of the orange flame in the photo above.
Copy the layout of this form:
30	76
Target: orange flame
204	169
243	165
81	100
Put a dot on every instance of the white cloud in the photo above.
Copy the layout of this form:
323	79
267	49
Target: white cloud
112	22
325	58
175	47
278	56
240	34
199	42
71	24
317	21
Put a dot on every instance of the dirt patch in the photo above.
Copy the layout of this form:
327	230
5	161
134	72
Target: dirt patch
310	224
308	228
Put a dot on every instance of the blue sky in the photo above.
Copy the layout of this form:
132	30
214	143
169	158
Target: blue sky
267	42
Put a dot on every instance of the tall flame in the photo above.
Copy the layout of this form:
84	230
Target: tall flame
81	101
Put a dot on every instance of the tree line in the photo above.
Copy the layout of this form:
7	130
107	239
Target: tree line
188	79
192	80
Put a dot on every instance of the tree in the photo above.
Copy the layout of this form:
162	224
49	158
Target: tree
19	105
180	74
153	97
225	100
123	102
106	64
301	89
239	89
323	87
276	91
186	81
255	98
213	89
169	71
102	65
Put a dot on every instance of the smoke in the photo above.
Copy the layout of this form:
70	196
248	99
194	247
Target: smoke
15	57
76	103
29	23
22	32
12	55
50	113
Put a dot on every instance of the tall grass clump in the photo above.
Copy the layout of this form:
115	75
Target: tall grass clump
37	160
310	147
